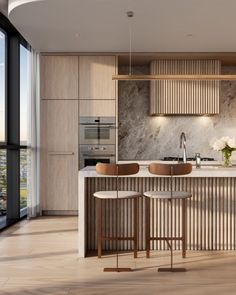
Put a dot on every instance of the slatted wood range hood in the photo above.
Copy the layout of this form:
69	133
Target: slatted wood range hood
184	97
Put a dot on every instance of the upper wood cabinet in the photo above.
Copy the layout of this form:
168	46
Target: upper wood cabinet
97	108
95	77
184	97
59	77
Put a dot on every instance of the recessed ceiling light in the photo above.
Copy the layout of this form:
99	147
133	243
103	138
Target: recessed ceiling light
189	35
76	35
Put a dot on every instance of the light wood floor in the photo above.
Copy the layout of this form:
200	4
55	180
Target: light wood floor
40	257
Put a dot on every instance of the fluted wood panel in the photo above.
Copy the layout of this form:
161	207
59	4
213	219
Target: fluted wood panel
184	97
211	212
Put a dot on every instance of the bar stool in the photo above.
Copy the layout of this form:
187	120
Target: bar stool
168	170
116	170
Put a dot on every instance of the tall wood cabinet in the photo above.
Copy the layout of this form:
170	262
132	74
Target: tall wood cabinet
59	134
71	86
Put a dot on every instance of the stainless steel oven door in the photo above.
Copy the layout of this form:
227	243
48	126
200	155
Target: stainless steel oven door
90	155
92	160
97	134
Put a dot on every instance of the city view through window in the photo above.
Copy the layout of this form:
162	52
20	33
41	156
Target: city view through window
3	162
24	153
24	102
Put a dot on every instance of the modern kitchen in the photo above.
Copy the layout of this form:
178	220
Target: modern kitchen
130	154
185	134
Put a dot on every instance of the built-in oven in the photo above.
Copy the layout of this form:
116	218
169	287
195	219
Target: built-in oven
97	130
90	155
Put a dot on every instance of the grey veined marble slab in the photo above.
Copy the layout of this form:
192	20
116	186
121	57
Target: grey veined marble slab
142	137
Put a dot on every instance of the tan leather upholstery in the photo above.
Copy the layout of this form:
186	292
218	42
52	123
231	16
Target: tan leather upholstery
113	194
167	195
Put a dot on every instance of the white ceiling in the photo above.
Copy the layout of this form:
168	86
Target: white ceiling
3	6
102	25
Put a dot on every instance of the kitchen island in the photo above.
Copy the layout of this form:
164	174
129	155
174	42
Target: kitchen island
211	212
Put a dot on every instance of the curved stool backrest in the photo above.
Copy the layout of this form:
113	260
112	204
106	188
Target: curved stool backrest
117	169
170	169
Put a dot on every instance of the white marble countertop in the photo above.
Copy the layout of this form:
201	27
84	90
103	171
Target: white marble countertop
206	170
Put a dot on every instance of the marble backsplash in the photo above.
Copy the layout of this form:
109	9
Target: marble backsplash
142	137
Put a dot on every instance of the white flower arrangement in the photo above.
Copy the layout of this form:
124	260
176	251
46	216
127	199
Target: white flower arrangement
226	145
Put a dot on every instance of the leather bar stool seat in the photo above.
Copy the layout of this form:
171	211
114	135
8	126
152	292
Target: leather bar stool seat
113	194
167	195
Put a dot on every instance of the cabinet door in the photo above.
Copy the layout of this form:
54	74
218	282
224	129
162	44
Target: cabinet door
59	77
97	108
95	77
59	154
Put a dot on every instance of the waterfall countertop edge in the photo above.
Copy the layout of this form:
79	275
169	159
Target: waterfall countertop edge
204	171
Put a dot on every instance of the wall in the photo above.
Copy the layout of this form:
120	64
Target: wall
142	137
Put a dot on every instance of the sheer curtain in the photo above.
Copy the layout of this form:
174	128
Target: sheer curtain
33	198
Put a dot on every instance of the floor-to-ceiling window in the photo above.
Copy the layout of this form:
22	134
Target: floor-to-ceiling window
24	104
14	102
3	152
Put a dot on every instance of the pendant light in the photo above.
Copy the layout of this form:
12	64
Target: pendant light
197	77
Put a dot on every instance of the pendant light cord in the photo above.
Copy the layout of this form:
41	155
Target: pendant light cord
130	14
130	48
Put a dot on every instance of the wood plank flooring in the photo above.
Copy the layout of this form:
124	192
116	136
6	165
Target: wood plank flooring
40	257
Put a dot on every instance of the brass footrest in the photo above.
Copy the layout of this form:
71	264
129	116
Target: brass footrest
172	269
117	269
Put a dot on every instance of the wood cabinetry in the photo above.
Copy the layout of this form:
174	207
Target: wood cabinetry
59	77
97	108
95	77
184	97
59	155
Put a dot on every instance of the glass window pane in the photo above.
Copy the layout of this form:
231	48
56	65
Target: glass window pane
24	94
24	104
3	182
2	85
23	177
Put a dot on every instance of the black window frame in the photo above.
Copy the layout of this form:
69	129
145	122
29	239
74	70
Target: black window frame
12	119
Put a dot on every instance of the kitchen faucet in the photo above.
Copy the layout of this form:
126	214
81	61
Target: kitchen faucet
183	145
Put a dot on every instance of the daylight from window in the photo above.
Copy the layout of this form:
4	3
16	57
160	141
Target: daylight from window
24	101
2	86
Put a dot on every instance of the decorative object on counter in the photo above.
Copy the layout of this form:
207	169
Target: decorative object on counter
198	160
116	170
168	170
226	145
